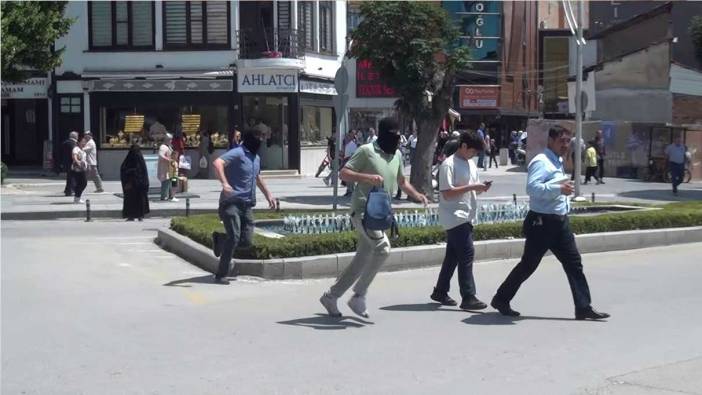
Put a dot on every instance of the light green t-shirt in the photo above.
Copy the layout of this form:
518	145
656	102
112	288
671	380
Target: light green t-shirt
370	159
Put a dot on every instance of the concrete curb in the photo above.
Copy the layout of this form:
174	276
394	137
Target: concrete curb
418	256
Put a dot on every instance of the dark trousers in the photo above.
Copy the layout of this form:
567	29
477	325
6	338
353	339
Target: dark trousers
572	160
481	159
543	233
677	171
70	183
80	181
591	172
600	167
459	253
493	158
238	222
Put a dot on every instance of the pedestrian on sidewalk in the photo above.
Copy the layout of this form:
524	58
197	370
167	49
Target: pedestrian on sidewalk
349	150
459	185
601	154
165	162
67	157
330	179
377	164
481	155
91	158
236	170
135	185
591	162
547	227
413	146
675	154
79	167
494	151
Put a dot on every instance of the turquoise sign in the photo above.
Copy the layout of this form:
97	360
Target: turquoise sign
480	23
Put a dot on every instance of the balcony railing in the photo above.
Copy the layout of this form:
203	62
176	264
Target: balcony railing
278	43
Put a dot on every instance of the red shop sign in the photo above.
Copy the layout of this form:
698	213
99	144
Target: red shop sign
369	83
479	96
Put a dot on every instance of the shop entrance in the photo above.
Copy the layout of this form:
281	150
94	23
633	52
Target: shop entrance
269	114
24	129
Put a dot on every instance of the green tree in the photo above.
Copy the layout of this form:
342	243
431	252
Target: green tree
29	30
695	30
414	46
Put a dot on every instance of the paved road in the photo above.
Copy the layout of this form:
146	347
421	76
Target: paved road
42	195
97	309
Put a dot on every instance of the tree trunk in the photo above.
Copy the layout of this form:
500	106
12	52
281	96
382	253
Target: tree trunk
420	176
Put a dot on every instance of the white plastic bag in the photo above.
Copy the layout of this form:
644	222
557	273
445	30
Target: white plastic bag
185	162
203	162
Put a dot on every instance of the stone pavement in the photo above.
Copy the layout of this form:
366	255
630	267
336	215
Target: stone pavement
111	313
44	196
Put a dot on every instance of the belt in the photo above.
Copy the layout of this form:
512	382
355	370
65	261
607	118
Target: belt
556	217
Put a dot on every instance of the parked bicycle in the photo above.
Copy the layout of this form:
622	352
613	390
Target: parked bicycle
658	170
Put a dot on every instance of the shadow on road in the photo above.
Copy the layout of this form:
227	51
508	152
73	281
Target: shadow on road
418	307
684	194
325	322
315	199
184	283
495	318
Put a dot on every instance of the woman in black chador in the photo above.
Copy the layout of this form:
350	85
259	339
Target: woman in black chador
135	185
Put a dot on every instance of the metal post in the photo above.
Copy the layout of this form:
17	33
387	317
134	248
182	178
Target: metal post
514	198
187	207
593	197
277	204
87	210
578	103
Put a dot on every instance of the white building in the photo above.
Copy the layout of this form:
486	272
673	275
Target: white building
132	70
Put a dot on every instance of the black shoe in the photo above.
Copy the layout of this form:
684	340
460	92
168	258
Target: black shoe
220	280
472	303
217	243
444	299
589	314
503	307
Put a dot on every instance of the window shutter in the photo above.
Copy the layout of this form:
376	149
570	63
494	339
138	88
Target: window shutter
196	22
101	23
121	23
326	28
217	22
176	29
284	16
306	23
142	24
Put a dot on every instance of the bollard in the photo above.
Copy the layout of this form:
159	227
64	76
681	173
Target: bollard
277	204
187	207
593	197
87	210
514	198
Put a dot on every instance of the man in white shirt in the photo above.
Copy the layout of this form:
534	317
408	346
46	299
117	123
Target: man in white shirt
372	136
349	149
91	158
458	185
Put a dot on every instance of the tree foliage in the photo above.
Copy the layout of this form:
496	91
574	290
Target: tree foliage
696	34
414	46
29	30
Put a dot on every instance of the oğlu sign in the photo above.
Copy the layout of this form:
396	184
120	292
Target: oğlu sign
259	80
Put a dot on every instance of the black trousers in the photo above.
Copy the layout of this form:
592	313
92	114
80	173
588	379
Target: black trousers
591	172
493	158
543	233
459	253
70	182
600	168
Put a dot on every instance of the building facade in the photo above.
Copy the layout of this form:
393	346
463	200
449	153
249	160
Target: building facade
134	70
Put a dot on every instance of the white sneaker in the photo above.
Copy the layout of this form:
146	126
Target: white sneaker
174	199
329	303
357	303
78	200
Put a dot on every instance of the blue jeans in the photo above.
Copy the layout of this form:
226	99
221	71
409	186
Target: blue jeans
459	252
481	159
677	171
166	189
239	223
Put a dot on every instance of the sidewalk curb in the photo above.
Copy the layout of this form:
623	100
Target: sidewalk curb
416	257
100	213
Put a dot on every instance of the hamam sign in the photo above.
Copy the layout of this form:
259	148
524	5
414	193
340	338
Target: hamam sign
479	96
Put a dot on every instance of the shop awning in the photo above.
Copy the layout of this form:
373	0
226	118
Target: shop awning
158	74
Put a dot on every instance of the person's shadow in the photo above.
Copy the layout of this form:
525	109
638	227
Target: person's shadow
326	322
495	318
419	307
185	283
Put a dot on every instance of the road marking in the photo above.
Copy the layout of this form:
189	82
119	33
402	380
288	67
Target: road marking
194	297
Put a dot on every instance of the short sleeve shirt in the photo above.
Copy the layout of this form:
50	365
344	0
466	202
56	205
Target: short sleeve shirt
456	172
241	167
164	151
370	159
350	149
676	153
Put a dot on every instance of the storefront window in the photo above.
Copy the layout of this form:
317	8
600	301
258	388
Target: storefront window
147	125
269	114
316	124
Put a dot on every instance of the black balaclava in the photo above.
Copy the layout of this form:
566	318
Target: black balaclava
388	135
251	142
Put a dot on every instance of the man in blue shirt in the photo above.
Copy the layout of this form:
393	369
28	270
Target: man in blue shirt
676	155
481	154
547	227
239	172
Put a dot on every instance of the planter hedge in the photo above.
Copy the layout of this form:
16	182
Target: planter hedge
200	227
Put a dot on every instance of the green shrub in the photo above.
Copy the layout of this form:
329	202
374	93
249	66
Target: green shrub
3	172
200	227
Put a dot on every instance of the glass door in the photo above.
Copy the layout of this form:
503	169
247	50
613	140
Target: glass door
269	114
